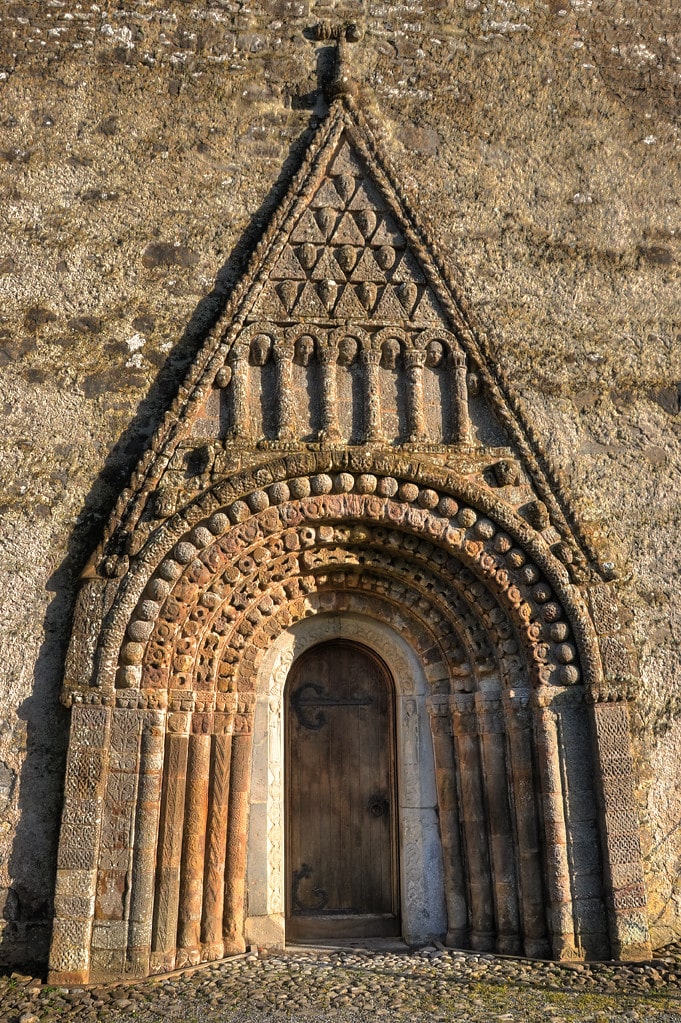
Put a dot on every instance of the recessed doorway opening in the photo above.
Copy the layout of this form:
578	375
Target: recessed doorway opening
342	875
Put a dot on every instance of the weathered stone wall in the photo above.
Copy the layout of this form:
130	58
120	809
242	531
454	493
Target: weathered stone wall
142	147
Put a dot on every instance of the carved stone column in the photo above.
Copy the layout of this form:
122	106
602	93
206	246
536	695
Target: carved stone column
169	859
146	838
460	427
473	819
414	361
79	844
502	846
560	893
626	897
530	872
327	358
372	395
445	779
110	937
240	414
237	829
283	359
216	843
194	845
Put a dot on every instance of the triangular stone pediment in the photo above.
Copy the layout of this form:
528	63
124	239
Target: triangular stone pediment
346	331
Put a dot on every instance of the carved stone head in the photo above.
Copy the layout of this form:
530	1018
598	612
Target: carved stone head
347	351
390	353
260	349
435	354
506	472
304	350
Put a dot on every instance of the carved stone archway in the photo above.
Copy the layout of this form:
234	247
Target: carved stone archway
508	653
344	449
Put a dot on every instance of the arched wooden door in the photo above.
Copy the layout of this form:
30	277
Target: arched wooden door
341	806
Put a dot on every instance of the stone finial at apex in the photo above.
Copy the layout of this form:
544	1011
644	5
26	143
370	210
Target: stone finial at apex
340	82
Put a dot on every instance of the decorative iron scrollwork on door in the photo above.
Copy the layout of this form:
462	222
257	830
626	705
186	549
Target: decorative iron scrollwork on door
322	896
300	701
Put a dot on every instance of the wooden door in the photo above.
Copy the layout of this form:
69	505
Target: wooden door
341	853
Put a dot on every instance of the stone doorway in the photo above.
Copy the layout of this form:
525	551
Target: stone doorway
341	805
345	460
418	868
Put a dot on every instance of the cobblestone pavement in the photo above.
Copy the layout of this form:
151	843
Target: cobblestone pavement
359	985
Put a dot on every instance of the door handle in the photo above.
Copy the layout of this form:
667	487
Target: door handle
378	806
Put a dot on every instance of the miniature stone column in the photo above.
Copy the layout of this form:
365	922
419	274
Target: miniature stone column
237	828
460	427
193	848
169	857
283	359
530	872
502	850
327	358
560	892
445	780
240	425
216	846
473	818
372	395
145	842
414	361
79	839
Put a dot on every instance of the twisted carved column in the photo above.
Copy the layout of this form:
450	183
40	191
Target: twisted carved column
237	830
445	778
372	395
532	913
460	426
502	850
166	903
214	882
329	396
560	893
193	850
473	818
146	837
414	361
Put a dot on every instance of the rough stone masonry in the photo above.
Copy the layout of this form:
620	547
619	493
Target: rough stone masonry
143	152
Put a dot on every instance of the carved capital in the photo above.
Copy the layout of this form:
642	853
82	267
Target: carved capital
327	355
414	359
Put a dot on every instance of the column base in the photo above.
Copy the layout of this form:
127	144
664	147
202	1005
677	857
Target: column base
212	951
633	953
68	978
483	941
458	939
509	945
187	957
537	948
234	944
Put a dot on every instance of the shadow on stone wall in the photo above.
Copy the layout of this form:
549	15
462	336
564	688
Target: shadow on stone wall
27	906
